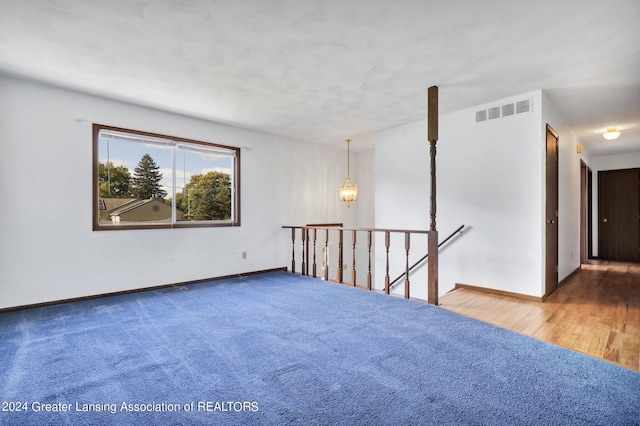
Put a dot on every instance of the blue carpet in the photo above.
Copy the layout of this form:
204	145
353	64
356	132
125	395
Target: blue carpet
282	349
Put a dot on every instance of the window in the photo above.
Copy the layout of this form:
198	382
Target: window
145	180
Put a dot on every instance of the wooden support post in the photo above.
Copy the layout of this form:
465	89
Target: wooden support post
432	136
432	113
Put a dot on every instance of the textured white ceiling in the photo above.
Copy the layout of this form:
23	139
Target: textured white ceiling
324	70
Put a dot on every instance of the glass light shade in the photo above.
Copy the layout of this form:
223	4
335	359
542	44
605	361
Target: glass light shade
349	192
611	134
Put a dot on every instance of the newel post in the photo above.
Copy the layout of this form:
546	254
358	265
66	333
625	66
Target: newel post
432	136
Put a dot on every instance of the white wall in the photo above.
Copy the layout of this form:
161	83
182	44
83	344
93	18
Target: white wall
402	201
49	251
490	178
365	175
627	160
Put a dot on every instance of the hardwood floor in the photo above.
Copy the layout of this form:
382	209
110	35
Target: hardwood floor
596	312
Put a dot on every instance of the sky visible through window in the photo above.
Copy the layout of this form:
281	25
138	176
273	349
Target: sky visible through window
188	163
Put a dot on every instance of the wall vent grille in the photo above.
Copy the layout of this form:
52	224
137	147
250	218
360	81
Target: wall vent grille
506	110
523	106
494	113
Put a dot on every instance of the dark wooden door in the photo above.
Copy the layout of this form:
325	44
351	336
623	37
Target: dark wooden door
619	215
551	227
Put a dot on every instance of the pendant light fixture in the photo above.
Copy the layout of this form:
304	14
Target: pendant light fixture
349	190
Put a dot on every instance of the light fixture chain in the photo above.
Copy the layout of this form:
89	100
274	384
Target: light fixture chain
348	158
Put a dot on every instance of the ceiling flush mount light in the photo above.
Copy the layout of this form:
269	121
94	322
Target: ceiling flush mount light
349	190
611	134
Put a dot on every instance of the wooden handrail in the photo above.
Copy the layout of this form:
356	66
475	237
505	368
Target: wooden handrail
338	228
423	258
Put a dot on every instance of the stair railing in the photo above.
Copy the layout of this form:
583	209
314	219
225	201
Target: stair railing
308	241
394	283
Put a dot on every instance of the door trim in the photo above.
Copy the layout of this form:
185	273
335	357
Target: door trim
586	193
551	210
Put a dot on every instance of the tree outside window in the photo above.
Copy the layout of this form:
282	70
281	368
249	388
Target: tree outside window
139	175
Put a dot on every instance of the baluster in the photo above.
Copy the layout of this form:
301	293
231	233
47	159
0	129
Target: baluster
369	270
340	254
293	252
326	254
386	277
353	268
407	237
314	253
303	234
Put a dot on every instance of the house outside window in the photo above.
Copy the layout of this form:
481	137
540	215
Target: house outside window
146	180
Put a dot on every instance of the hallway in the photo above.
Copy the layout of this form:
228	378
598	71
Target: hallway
596	312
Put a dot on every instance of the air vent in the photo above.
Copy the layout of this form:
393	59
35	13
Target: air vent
172	289
508	109
505	110
523	106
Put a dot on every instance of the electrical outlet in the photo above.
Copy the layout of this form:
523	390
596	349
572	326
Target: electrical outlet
244	254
